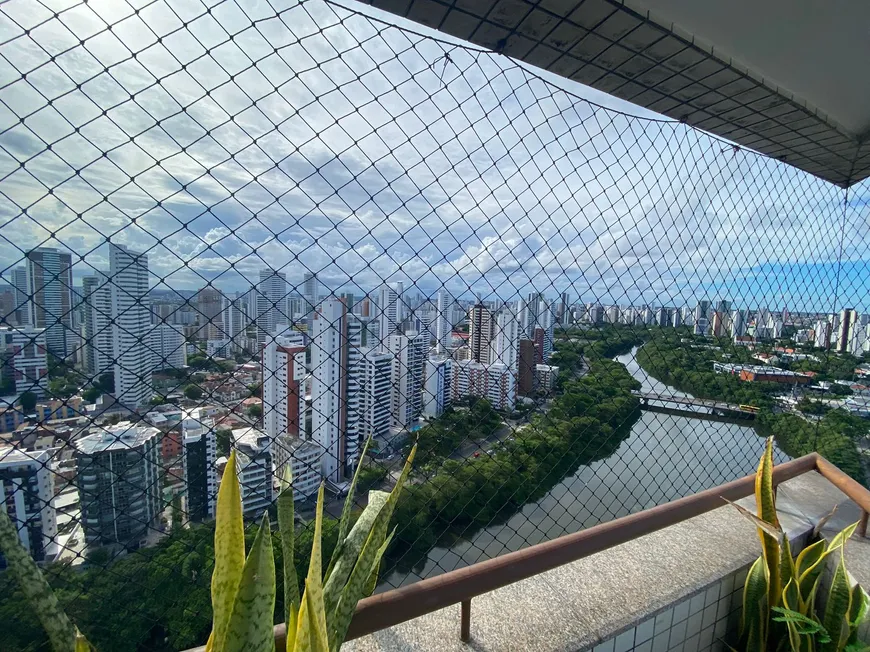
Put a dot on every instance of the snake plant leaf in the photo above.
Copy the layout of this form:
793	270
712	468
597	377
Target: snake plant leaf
787	566
373	579
309	635
229	554
250	626
82	644
765	500
351	548
344	521
753	619
287	526
857	612
842	537
40	598
773	530
837	609
367	560
355	590
311	628
808	567
375	512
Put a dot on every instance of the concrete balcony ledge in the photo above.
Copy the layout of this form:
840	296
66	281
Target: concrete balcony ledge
679	588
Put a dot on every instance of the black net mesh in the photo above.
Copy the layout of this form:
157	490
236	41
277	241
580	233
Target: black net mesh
286	229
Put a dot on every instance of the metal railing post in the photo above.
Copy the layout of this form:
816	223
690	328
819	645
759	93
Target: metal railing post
465	621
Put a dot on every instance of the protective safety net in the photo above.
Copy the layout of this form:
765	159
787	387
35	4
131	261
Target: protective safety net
286	228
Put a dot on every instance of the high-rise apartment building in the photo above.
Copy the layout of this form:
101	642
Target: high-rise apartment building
388	312
27	489
209	305
118	478
167	347
375	373
284	372
564	314
409	367
97	325
505	346
271	304
437	389
23	357
20	302
443	325
481	333
198	457
331	355
848	320
526	368
303	456
494	382
738	323
254	467
131	322
50	305
310	298
234	322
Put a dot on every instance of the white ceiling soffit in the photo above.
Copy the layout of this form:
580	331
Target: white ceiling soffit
787	78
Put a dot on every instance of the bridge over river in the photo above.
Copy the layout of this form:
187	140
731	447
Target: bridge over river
689	405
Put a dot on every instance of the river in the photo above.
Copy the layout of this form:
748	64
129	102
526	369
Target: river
665	457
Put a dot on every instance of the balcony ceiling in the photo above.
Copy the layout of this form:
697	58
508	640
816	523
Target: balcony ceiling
786	78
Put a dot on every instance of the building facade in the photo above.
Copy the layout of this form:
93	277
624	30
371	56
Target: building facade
119	486
198	457
494	382
50	305
437	390
131	323
409	366
284	375
24	362
254	467
27	492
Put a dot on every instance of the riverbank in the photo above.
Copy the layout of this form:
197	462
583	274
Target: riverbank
660	458
687	368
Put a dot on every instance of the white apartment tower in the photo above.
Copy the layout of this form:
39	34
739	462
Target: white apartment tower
443	326
481	333
330	362
97	327
375	373
128	274
271	302
284	385
505	347
388	312
50	306
234	322
437	387
26	484
24	357
167	347
409	367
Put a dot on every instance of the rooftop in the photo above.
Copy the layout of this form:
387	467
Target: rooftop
122	436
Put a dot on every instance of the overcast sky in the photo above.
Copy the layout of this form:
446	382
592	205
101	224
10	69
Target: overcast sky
317	139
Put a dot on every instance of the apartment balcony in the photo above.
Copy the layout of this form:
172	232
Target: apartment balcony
667	578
